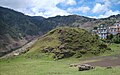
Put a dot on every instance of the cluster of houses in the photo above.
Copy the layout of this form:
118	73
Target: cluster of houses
103	30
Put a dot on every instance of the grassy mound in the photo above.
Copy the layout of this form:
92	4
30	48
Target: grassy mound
66	42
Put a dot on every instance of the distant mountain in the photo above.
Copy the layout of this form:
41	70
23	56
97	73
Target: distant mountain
113	17
72	20
16	29
65	42
77	21
108	21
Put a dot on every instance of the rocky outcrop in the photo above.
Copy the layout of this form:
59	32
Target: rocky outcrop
85	67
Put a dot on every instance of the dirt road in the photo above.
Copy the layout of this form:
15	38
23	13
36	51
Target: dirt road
20	50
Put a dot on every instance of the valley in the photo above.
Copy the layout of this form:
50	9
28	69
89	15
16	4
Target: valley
16	28
59	45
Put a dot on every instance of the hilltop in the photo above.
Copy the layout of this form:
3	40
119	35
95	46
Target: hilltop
65	42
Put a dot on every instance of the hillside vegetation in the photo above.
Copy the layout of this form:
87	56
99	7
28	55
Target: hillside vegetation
16	29
66	42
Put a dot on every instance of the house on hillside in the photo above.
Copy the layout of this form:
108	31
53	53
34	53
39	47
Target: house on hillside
103	30
115	29
118	27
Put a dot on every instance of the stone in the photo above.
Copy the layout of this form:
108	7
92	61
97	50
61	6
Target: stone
109	67
73	65
15	54
85	67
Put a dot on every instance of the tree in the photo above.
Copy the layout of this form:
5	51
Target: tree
109	37
116	39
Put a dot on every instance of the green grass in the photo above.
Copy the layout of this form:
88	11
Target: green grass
21	65
115	50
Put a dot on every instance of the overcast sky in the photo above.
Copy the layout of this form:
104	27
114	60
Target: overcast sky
50	8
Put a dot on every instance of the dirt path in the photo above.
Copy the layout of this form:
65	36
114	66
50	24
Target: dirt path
20	50
105	61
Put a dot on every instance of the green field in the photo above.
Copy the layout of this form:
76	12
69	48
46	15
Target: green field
21	65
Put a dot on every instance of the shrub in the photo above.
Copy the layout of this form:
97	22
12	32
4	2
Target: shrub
78	54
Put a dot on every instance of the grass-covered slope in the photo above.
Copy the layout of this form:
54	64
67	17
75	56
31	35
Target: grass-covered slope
66	42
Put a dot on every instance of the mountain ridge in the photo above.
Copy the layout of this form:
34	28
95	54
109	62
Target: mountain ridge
17	29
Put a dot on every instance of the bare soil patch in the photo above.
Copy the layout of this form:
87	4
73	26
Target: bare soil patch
103	61
107	61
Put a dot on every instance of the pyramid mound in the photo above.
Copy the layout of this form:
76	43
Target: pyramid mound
65	42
